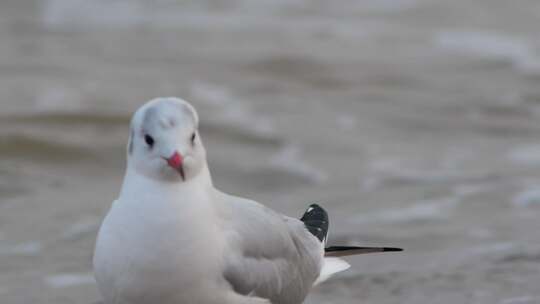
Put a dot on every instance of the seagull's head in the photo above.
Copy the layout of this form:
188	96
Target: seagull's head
164	143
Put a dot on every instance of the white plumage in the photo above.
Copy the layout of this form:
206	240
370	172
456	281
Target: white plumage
172	238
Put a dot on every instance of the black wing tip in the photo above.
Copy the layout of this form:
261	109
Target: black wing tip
391	249
315	209
315	219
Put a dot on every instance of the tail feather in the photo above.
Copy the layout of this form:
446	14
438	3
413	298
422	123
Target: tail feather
316	221
330	267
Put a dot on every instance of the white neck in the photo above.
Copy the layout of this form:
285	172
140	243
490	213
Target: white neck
137	186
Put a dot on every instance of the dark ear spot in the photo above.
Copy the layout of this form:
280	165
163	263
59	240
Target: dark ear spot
193	136
149	116
130	145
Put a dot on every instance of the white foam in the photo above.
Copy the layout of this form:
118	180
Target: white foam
231	109
425	210
454	157
530	66
123	14
371	183
393	170
289	159
527	198
489	249
471	189
92	13
481	233
387	5
526	155
81	229
239	15
346	122
410	175
58	99
476	252
520	300
266	6
69	279
211	94
491	45
26	248
396	169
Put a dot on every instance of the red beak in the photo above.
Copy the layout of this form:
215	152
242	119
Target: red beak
176	162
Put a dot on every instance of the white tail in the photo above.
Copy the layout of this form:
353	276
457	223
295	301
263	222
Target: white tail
331	266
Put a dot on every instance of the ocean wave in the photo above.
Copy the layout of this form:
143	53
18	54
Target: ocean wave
520	300
64	280
525	155
123	14
527	198
289	159
36	149
229	110
438	209
83	228
238	15
29	248
491	45
74	118
85	13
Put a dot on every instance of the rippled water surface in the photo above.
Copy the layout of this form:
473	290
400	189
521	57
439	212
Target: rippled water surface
416	123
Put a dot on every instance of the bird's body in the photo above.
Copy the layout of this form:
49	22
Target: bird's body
169	240
172	238
154	244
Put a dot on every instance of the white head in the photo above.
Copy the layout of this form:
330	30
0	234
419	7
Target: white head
164	143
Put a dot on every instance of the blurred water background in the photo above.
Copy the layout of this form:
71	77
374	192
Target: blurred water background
416	123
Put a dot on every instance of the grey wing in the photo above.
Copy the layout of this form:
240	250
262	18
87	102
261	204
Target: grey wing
271	256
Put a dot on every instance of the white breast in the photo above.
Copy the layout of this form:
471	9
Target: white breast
152	247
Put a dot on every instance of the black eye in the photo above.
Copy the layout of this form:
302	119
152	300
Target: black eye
149	140
193	138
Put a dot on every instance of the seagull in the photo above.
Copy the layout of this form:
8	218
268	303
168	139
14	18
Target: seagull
171	237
